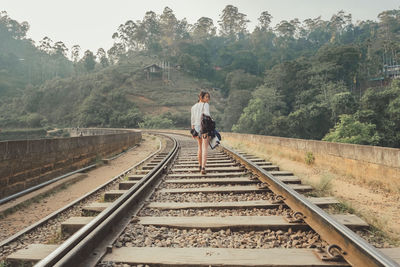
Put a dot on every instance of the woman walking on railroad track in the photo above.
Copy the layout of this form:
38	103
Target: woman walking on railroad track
200	134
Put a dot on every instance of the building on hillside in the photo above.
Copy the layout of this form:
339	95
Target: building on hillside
153	71
392	71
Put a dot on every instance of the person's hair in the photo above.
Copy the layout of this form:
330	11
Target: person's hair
203	94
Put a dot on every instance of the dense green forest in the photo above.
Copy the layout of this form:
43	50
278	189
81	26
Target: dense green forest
333	79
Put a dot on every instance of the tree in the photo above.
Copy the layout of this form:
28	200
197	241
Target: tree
343	103
350	130
168	25
233	24
310	122
127	35
203	29
237	101
285	29
89	61
265	105
46	45
60	49
102	57
149	32
75	51
265	21
240	80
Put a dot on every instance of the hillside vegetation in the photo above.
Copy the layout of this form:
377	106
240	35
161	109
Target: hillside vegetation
333	79
118	96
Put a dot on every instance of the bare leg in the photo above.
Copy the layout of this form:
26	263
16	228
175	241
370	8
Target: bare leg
204	149
199	150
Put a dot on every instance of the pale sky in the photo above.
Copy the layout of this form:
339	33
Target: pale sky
91	23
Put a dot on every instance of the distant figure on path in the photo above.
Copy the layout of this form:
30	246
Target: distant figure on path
201	107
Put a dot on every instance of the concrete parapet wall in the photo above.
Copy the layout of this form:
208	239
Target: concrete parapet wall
374	165
95	131
26	163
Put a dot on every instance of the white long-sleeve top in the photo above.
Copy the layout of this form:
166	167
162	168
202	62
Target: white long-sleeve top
197	110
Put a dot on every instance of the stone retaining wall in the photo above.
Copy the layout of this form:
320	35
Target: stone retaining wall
26	163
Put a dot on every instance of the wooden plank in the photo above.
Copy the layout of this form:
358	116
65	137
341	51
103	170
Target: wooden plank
111	195
125	185
393	253
257	160
142	172
195	154
264	164
96	207
30	255
281	173
213	181
135	177
241	222
195	180
73	224
208	161
289	179
148	167
196	164
270	167
232	205
277	257
209	175
231	189
210	169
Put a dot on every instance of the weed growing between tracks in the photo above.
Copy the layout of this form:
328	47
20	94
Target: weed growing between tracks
57	238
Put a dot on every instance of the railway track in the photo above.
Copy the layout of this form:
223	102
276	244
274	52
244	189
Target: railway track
243	212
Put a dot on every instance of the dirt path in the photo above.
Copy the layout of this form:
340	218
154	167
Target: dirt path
35	211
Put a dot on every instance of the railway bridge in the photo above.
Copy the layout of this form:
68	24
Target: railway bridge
118	197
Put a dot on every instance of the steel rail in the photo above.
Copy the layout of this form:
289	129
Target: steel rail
79	247
57	212
356	250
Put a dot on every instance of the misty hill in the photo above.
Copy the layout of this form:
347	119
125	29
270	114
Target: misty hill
117	96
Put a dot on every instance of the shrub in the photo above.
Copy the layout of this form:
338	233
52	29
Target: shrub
309	158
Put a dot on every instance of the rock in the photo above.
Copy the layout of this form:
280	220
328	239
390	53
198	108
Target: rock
148	242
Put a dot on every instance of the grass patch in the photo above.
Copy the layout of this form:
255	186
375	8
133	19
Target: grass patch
377	236
309	158
342	207
3	264
57	238
102	199
323	187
